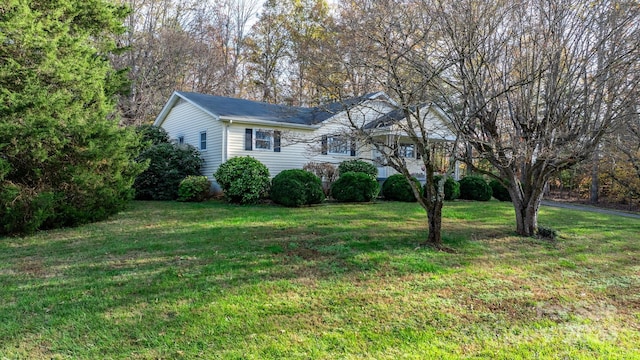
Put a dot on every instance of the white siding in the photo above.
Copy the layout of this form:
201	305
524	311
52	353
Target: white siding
299	147
293	151
341	124
186	120
226	139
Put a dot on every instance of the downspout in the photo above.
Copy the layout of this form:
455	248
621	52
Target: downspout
225	152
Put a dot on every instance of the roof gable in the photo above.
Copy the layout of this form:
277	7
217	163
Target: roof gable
442	127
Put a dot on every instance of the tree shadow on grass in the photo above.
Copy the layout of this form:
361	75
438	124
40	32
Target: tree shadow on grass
162	266
82	277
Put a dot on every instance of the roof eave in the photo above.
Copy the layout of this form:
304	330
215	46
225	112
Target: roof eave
254	121
434	135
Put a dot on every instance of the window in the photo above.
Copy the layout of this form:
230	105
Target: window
264	139
181	140
260	139
338	145
407	151
203	140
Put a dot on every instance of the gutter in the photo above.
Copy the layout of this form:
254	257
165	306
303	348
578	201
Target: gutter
244	120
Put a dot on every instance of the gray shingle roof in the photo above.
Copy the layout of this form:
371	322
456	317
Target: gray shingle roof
233	107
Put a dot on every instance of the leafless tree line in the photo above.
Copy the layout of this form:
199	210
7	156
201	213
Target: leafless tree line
534	87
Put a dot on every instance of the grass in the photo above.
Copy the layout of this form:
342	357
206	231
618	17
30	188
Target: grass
210	280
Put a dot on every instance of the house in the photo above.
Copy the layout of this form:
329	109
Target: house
284	137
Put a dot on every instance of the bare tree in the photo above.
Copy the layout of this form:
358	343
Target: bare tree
536	84
219	31
268	48
310	29
621	159
156	42
393	42
186	45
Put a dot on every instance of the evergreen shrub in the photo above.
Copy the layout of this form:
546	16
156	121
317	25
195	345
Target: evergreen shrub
194	188
451	187
355	187
397	188
475	188
169	164
153	134
64	160
296	187
244	180
500	192
358	166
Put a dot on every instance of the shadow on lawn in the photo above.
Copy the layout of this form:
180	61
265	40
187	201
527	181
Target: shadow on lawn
80	276
146	264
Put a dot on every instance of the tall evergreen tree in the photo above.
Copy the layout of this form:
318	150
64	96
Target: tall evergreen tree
63	159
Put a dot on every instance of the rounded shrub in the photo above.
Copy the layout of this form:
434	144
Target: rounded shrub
397	188
244	179
296	187
358	166
475	188
451	187
194	189
500	192
355	187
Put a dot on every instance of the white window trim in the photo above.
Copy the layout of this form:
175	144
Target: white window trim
255	139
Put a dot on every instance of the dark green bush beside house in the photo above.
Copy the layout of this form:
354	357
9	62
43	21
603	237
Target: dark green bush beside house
194	189
397	188
355	187
500	192
358	166
451	187
153	134
243	179
169	164
475	188
296	188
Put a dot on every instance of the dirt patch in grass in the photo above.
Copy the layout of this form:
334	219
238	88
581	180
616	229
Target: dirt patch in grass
32	265
306	253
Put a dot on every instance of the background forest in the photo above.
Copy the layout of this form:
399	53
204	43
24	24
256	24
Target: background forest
304	53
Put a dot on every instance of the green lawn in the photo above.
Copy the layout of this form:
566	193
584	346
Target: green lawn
175	280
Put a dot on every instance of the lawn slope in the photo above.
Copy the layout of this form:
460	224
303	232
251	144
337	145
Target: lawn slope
178	280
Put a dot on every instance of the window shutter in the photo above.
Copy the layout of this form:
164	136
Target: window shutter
203	140
353	147
248	139
324	145
276	141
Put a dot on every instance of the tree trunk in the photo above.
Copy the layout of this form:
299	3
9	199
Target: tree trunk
526	205
434	215
526	218
431	201
595	184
